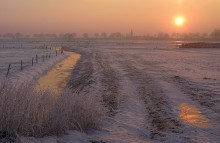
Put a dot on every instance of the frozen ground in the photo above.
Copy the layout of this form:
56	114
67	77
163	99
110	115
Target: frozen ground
13	52
153	91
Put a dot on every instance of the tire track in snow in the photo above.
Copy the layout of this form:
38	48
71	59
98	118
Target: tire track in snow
109	81
82	74
162	122
181	132
129	125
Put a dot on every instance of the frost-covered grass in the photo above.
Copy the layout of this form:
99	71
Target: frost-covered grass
28	112
13	52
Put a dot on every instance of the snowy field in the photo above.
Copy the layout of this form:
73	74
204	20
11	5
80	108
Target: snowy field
14	52
154	92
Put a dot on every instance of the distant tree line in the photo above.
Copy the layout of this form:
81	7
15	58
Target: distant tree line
214	35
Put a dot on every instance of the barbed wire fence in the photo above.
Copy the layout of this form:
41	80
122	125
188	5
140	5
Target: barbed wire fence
34	60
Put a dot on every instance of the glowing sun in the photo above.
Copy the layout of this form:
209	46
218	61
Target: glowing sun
179	21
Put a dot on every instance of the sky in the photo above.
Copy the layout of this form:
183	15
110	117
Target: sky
91	16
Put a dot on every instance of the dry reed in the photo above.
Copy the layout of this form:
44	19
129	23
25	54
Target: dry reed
28	112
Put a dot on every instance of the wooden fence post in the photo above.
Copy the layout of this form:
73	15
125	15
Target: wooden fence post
56	52
61	51
36	58
21	65
32	62
9	67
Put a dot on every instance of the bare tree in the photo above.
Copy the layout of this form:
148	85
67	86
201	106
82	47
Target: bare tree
163	36
8	35
69	36
104	35
204	36
51	36
215	34
85	35
96	35
116	35
18	36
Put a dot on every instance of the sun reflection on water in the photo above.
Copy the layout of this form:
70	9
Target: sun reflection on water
193	116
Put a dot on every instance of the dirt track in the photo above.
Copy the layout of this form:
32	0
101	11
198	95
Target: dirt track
143	97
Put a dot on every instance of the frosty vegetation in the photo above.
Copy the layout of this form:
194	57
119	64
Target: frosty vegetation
28	112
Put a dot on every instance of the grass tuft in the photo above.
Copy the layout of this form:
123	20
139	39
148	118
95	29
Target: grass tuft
28	112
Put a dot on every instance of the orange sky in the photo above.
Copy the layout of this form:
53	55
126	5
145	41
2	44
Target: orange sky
143	16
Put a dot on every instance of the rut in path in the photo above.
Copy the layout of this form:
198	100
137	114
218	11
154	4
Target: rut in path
158	110
82	74
129	125
109	82
143	109
165	126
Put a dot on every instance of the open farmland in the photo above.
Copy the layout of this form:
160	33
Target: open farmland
153	91
14	53
149	91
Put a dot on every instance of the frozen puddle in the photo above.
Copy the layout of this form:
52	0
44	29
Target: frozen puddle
193	116
57	78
